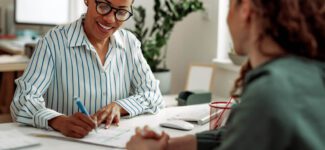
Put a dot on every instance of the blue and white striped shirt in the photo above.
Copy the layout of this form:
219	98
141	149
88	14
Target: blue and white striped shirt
66	65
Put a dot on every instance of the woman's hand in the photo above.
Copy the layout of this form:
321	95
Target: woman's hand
147	133
110	114
77	125
147	139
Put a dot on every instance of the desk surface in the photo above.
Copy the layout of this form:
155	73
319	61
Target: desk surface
13	63
9	67
151	120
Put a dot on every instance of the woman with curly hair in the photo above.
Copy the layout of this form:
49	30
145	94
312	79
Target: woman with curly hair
282	85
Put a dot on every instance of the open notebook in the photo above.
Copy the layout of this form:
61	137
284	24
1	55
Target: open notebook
199	114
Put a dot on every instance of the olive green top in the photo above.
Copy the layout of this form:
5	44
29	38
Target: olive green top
282	108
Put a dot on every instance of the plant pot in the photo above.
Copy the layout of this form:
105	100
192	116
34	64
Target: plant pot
164	76
237	59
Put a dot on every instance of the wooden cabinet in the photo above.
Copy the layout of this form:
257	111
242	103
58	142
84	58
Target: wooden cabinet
10	69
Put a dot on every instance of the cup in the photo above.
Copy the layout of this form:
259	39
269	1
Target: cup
219	112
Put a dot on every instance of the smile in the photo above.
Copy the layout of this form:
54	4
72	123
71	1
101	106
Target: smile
105	27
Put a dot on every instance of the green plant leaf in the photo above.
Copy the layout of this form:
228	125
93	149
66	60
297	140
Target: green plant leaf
165	18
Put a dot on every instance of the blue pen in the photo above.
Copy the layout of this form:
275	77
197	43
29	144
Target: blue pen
84	110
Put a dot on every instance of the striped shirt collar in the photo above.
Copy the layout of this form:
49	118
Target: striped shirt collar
77	36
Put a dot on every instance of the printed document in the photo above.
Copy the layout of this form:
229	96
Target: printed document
112	137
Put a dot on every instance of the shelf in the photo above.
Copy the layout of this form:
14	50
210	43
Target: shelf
13	63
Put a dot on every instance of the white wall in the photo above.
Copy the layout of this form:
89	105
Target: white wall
192	41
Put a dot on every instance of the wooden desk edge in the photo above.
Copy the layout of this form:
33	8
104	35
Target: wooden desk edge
9	67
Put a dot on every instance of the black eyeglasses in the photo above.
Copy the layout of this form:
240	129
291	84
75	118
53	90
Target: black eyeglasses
104	8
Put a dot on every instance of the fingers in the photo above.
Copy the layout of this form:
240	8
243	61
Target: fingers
72	126
163	141
132	144
147	133
164	136
102	114
78	132
109	120
113	116
84	121
116	120
96	121
151	133
109	114
138	131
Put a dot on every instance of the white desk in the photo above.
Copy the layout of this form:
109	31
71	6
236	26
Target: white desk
151	120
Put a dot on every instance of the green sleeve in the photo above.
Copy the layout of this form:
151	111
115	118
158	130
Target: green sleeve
209	139
258	119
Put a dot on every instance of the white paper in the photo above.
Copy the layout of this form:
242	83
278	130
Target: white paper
113	137
13	139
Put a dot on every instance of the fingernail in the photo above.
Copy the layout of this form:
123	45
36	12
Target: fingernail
107	126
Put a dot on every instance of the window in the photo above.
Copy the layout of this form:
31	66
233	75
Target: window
48	12
224	39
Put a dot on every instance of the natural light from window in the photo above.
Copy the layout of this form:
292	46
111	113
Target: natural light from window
224	40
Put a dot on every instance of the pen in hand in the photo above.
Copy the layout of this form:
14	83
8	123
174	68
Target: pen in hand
84	110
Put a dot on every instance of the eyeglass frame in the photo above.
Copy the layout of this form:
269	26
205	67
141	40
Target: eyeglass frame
113	8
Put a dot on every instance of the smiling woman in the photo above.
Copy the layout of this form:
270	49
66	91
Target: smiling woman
94	60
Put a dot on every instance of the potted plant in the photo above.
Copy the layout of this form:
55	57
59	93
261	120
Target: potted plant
154	39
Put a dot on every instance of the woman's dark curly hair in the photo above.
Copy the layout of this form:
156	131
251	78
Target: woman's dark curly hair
298	26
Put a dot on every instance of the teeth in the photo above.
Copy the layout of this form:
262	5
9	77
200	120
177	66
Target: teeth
106	28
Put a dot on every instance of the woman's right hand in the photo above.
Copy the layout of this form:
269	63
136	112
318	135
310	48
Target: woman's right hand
77	125
147	133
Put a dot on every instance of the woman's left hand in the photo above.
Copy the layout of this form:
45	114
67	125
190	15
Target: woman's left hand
109	114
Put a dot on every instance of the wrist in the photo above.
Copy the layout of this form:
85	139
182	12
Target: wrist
57	122
122	111
178	143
